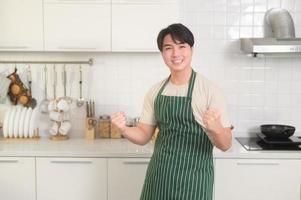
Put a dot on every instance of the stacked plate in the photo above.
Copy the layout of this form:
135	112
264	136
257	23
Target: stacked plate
20	122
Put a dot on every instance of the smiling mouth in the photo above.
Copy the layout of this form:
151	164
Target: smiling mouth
178	61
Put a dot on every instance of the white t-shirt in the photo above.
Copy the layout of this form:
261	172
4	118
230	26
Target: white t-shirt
205	94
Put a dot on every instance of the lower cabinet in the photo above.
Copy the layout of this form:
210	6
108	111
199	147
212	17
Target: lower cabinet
249	179
17	178
126	178
45	178
71	178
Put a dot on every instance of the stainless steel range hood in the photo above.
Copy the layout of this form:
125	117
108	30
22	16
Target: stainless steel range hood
279	36
256	46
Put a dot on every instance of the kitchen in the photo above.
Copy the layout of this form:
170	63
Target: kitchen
259	90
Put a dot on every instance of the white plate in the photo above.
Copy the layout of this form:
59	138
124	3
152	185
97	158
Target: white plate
33	122
16	121
5	122
21	123
26	122
11	122
3	109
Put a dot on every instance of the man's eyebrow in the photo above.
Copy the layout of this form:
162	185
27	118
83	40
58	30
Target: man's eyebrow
165	45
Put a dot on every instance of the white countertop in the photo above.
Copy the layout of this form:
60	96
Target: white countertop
78	147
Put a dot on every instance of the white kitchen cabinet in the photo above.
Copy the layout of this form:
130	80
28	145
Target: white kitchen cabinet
126	178
71	178
250	179
77	25
17	178
136	24
21	25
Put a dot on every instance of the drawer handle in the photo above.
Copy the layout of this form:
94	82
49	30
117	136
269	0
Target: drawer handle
258	164
136	162
9	161
13	47
70	162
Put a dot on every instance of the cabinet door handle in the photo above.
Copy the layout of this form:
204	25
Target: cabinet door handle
259	164
9	161
13	47
78	48
70	162
136	50
75	0
136	162
127	2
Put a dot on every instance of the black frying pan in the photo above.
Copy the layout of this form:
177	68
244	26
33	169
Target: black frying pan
277	130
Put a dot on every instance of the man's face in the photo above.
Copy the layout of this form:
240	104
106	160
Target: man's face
177	56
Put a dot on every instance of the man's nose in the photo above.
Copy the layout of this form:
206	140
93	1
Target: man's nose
175	52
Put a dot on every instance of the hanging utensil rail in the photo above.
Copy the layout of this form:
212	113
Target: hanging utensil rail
89	62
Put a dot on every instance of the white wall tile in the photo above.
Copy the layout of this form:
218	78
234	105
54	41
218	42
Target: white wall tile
297	6
260	5
220	18
246	32
233	6
289	5
258	31
246	19
233	19
258	19
274	4
220	5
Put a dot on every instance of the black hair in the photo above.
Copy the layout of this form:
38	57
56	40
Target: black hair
179	34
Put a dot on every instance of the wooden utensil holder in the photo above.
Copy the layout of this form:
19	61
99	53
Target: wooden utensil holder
91	123
59	137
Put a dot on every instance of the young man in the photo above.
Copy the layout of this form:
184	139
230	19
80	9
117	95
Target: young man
191	114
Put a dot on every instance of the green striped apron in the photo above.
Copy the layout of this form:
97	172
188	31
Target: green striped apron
181	167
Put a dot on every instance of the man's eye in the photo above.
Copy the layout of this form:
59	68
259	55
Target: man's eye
182	46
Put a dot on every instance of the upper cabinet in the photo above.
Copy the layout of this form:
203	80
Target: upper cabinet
84	25
21	25
136	23
77	25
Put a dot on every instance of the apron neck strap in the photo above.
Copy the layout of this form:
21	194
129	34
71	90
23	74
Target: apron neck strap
190	86
191	83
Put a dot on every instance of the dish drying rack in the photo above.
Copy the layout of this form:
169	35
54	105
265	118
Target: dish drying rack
20	123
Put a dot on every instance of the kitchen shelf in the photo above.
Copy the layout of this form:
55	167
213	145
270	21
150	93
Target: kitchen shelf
89	62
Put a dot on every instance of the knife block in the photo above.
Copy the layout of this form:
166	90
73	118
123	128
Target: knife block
90	128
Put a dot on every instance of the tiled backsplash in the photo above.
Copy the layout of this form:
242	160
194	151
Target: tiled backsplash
258	90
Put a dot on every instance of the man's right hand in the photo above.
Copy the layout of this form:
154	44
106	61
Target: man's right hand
118	119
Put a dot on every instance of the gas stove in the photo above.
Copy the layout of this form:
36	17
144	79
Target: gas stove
261	143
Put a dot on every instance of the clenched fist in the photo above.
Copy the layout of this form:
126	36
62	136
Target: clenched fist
212	121
118	119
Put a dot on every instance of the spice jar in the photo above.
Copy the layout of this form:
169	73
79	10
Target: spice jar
115	132
104	126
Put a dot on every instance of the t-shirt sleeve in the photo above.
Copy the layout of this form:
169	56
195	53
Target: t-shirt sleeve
218	101
148	110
